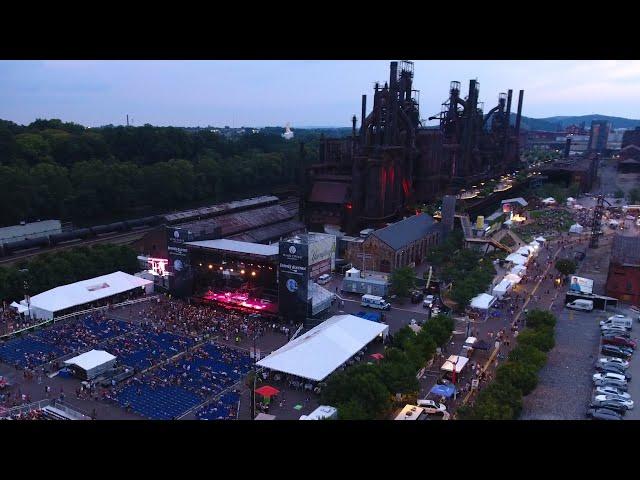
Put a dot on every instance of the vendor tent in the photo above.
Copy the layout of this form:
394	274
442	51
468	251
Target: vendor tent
526	251
91	364
576	228
549	201
540	240
502	288
516	259
513	278
483	301
519	270
446	391
456	362
267	391
19	308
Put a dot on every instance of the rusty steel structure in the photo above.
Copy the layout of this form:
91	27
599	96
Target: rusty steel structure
393	161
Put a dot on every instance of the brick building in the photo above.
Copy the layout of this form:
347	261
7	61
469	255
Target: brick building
398	245
623	279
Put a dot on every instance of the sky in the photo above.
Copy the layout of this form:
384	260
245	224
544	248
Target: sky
303	93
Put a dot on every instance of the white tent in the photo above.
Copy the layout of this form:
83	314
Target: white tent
19	308
540	240
549	201
519	270
454	361
534	244
502	288
526	251
46	304
91	364
482	301
320	351
513	278
516	259
576	228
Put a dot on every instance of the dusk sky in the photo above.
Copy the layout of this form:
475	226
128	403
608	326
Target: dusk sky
303	93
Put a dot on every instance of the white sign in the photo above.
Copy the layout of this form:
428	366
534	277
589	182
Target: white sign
475	383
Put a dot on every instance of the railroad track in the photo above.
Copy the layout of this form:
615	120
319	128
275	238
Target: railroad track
117	239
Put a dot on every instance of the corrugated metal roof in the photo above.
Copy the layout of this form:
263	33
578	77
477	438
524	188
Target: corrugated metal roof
238	247
626	250
404	232
329	192
270	232
219	209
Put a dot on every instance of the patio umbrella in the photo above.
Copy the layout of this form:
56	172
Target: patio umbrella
267	391
377	356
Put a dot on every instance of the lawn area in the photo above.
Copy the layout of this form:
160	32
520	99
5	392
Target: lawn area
548	223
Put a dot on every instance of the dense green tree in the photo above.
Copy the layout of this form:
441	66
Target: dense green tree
520	375
402	281
566	266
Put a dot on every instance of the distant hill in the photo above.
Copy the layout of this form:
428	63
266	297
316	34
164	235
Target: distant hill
553	124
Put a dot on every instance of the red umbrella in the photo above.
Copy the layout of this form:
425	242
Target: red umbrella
377	356
267	391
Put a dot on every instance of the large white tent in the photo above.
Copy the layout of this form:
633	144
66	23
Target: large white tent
483	301
45	305
454	361
320	351
502	288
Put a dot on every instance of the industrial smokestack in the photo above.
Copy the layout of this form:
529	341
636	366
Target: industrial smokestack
509	95
353	126
362	118
519	114
567	148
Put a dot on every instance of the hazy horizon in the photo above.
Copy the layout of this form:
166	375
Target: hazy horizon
318	93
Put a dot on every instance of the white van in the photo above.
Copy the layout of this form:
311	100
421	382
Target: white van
586	305
373	301
617	321
324	279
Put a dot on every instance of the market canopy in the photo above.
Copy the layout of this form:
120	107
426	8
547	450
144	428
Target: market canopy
516	258
482	301
518	270
513	278
324	348
267	391
540	239
456	362
446	391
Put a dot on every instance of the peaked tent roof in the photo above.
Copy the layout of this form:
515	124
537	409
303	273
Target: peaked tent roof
86	291
91	359
404	232
320	351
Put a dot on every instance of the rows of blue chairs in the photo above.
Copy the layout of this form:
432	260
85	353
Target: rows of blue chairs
157	402
40	347
224	408
145	348
173	389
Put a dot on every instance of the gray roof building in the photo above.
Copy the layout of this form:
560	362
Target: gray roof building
626	250
404	232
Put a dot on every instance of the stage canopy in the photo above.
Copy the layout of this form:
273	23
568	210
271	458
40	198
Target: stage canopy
446	391
46	304
320	351
482	301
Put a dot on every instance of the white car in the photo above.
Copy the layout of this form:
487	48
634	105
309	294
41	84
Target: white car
428	301
618	361
600	377
618	398
431	407
609	390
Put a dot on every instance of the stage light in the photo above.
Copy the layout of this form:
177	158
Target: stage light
253	274
210	266
200	264
231	269
242	272
220	268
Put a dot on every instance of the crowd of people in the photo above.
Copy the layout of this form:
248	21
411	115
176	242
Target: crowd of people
11	321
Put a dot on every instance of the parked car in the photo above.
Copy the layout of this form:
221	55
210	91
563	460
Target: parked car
609	376
618	340
603	414
428	301
612	390
612	382
613	368
618	398
617	361
610	368
609	404
431	407
616	351
608	332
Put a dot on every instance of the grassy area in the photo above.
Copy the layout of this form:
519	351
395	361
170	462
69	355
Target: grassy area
548	223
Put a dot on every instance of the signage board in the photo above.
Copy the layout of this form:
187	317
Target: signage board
293	280
581	285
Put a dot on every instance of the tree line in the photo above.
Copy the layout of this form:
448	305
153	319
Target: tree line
367	391
51	270
53	169
518	376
